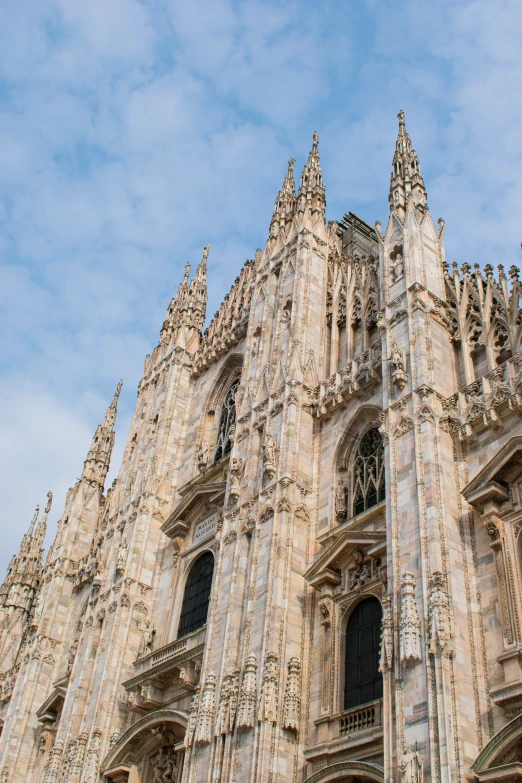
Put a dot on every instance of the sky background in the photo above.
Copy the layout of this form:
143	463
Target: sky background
134	133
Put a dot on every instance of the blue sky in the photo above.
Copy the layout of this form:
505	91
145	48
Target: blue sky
133	133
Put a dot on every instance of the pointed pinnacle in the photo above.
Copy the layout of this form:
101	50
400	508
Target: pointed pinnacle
35	517
50	496
187	273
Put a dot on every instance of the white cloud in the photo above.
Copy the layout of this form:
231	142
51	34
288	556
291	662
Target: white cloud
133	133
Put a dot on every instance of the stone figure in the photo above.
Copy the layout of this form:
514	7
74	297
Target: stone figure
247	698
203	455
341	501
147	639
235	477
122	556
398	267
164	766
269	449
268	701
410	766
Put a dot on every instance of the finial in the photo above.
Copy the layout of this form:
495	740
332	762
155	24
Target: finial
401	118
35	516
49	502
513	273
316	141
187	272
291	165
206	251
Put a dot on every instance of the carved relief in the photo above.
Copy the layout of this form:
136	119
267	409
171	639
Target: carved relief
409	623
438	616
247	699
268	700
206	710
292	697
386	657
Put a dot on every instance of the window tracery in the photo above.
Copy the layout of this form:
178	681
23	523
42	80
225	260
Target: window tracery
368	472
226	421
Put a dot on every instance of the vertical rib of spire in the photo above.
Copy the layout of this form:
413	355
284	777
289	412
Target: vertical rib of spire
98	460
311	187
285	203
406	177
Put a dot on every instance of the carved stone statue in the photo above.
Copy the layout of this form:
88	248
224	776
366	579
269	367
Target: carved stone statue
122	556
398	267
269	458
341	501
165	765
410	766
203	456
235	477
268	701
147	639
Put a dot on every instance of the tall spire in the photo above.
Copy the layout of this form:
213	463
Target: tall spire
197	293
98	460
406	177
311	188
23	573
285	203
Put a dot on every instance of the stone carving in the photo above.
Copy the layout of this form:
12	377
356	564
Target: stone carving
235	477
362	573
206	710
90	774
398	365
203	456
438	614
292	697
122	556
269	459
341	501
386	657
226	712
165	765
268	700
410	766
409	625
147	639
398	267
192	720
247	699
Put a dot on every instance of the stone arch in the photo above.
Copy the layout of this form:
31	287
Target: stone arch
502	751
228	373
162	728
346	609
366	417
348	772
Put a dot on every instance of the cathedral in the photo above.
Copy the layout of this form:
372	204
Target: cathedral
309	567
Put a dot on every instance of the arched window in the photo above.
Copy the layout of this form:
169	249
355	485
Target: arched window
368	472
226	420
362	679
197	595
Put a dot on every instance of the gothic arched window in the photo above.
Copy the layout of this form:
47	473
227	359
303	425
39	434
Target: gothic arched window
226	420
362	679
368	472
196	597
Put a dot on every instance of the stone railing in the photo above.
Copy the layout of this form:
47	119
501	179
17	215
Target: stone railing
363	718
170	651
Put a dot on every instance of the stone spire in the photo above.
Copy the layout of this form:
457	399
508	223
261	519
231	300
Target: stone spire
194	308
406	177
311	188
285	202
24	570
98	460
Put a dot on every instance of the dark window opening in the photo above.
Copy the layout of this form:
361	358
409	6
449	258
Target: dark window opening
362	679
196	597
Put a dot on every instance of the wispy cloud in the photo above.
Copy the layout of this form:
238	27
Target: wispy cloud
133	133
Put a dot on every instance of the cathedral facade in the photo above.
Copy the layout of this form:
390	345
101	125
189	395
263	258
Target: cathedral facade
309	567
